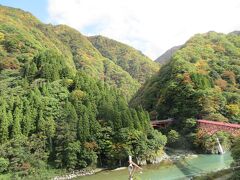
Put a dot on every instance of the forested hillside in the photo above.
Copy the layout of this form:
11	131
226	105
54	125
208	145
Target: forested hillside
131	60
23	36
62	104
202	80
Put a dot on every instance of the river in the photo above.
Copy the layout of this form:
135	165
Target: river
182	169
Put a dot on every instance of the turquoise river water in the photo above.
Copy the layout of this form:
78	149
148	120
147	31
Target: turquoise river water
182	169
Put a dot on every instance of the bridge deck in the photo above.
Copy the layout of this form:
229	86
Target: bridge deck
237	126
161	123
211	127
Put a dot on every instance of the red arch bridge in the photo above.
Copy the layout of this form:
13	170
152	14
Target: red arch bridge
211	127
205	126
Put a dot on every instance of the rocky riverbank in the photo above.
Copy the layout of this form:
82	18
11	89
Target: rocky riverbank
176	155
169	155
77	173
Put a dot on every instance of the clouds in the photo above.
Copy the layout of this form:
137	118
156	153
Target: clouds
152	26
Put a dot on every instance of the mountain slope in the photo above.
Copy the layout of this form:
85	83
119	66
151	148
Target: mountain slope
62	104
23	37
131	60
202	80
165	57
86	57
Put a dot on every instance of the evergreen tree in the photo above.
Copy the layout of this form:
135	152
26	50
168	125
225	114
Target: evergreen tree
40	122
136	121
11	102
16	127
10	117
117	122
3	123
45	90
127	120
94	126
60	144
27	123
71	118
144	119
30	70
50	127
85	126
72	152
50	130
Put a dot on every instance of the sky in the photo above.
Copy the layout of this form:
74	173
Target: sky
152	26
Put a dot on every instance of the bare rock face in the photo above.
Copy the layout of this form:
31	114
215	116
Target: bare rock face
141	162
155	160
159	159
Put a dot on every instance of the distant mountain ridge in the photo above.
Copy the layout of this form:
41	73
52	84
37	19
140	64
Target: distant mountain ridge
139	66
235	32
165	57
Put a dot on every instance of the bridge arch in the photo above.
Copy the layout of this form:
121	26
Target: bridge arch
211	127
